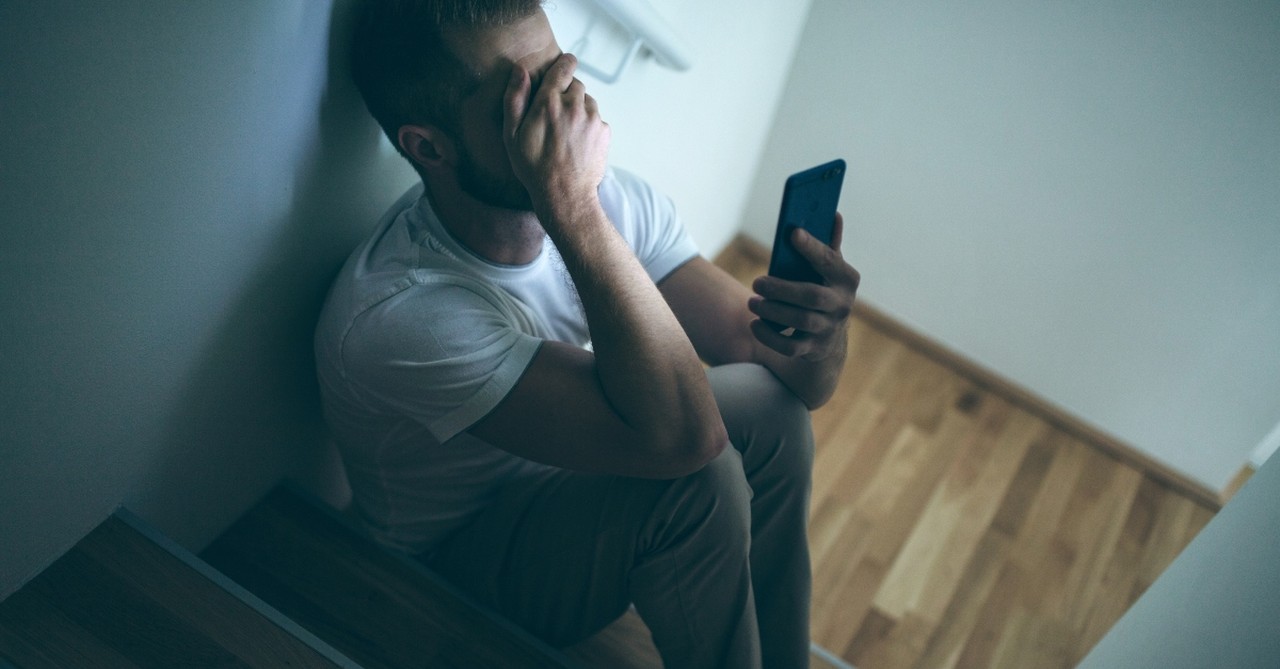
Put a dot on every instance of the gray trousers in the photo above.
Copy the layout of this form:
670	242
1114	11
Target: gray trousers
716	563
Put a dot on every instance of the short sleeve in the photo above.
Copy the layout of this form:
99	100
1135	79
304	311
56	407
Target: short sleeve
441	353
648	221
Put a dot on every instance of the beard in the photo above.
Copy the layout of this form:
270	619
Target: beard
504	192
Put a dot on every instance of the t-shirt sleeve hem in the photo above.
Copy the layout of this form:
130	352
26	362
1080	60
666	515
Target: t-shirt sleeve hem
494	390
673	259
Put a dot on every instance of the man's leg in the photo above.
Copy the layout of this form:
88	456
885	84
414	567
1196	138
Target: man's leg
772	429
563	554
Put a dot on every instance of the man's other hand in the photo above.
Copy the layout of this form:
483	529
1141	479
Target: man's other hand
819	313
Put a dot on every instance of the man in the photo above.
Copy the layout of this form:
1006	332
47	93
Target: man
511	364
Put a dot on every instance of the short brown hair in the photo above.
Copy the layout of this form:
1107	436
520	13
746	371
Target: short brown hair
404	69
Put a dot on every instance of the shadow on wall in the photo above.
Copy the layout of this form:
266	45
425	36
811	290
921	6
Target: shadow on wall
251	405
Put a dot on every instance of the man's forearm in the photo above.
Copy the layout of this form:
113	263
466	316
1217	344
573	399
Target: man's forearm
646	365
647	370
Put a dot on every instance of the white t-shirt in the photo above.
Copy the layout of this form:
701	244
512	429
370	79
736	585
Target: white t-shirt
420	338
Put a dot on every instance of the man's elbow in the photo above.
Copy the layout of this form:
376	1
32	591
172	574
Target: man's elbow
693	452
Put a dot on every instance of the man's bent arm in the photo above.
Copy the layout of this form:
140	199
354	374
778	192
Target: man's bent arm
641	404
727	322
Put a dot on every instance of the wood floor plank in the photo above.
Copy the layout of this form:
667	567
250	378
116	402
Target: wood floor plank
965	504
844	587
832	462
997	609
905	457
1033	640
962	615
1050	503
1086	583
827	530
1026	483
859	473
1113	593
1088	529
890	642
842	610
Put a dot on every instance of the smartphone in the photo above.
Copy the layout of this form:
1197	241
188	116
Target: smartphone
809	201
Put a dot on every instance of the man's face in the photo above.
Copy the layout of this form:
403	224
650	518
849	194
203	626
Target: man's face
489	185
484	170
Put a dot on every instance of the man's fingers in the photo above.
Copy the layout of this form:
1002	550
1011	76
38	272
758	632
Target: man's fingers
827	261
837	232
813	250
559	76
800	293
803	320
797	344
516	100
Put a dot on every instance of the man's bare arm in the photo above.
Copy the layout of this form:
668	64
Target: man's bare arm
640	405
723	318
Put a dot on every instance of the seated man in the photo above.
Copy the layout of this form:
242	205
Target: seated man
511	363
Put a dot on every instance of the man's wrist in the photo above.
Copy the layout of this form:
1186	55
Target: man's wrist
565	212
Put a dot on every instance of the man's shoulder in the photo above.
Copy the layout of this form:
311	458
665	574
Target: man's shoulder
384	269
632	202
625	183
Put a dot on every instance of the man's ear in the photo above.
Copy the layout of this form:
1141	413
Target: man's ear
428	146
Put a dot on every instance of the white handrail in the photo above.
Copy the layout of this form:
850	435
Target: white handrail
649	30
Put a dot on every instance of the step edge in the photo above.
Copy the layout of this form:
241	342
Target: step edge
234	589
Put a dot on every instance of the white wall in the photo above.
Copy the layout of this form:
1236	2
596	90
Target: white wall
696	135
178	181
1083	197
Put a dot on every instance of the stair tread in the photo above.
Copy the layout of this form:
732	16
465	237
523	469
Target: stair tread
381	609
119	599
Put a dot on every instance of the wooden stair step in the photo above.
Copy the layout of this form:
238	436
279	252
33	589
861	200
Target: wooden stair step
125	596
382	609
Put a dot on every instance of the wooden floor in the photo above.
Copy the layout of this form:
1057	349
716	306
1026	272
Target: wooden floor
953	527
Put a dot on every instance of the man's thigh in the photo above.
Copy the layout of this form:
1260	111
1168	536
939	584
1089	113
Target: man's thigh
554	550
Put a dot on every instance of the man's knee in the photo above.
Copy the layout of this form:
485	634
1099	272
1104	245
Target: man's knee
759	409
714	501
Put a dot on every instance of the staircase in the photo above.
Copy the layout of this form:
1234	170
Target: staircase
291	584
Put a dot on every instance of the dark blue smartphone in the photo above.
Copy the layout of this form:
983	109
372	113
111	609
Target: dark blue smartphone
809	201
